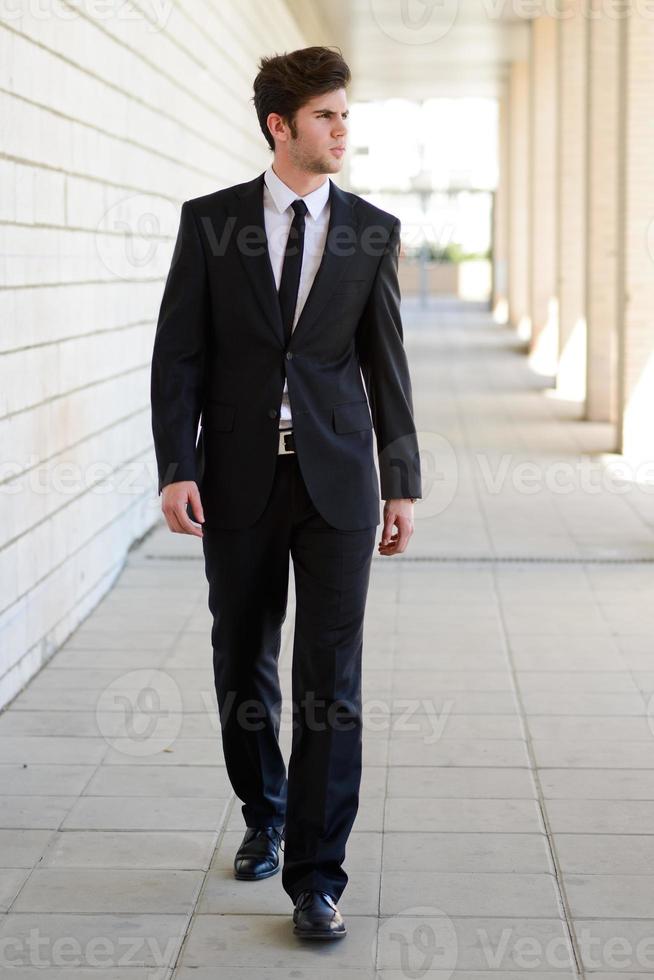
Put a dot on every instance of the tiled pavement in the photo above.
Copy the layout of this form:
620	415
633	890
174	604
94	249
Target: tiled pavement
506	826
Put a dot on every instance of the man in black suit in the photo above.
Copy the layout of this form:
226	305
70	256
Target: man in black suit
280	326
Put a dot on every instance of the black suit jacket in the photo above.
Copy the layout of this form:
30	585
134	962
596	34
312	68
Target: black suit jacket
220	354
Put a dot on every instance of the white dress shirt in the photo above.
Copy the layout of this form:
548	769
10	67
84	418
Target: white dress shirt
278	217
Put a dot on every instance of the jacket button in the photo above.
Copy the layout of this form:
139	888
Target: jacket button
272	413
289	355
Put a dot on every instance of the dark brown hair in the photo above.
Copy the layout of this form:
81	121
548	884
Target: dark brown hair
286	82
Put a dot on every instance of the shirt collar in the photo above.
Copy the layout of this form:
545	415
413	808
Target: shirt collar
283	196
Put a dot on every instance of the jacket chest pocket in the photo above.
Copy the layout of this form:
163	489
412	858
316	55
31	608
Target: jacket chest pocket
352	417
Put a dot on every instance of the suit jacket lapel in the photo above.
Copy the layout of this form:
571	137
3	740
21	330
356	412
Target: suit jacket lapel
250	231
340	245
252	247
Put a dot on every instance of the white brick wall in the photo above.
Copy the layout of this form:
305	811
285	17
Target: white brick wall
110	119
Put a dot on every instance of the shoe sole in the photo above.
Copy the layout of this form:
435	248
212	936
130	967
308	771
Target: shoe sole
266	874
304	934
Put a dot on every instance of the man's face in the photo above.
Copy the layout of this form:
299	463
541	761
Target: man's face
320	127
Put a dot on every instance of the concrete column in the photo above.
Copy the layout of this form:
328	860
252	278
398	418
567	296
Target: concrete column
499	299
518	195
636	237
603	132
543	304
571	199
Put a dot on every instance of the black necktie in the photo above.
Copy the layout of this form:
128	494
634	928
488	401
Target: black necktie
290	281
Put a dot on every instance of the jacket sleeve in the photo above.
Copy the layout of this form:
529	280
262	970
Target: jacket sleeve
178	358
386	377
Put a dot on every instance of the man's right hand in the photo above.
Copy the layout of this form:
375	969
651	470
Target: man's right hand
174	498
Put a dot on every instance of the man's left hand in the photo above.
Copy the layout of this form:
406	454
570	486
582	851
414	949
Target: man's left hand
399	514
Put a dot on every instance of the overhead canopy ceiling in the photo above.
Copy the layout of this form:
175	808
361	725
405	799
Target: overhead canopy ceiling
419	48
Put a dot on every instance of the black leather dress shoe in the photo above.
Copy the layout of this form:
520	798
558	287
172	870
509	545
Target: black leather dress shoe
258	855
316	916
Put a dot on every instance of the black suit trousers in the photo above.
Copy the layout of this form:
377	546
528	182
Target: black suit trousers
247	570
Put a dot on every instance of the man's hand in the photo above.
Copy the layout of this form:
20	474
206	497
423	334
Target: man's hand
399	514
174	499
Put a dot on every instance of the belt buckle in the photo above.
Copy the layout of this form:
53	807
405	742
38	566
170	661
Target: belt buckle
283	450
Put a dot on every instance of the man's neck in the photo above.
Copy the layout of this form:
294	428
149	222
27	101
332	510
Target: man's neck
300	181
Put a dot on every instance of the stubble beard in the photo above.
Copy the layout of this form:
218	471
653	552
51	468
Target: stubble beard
312	163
